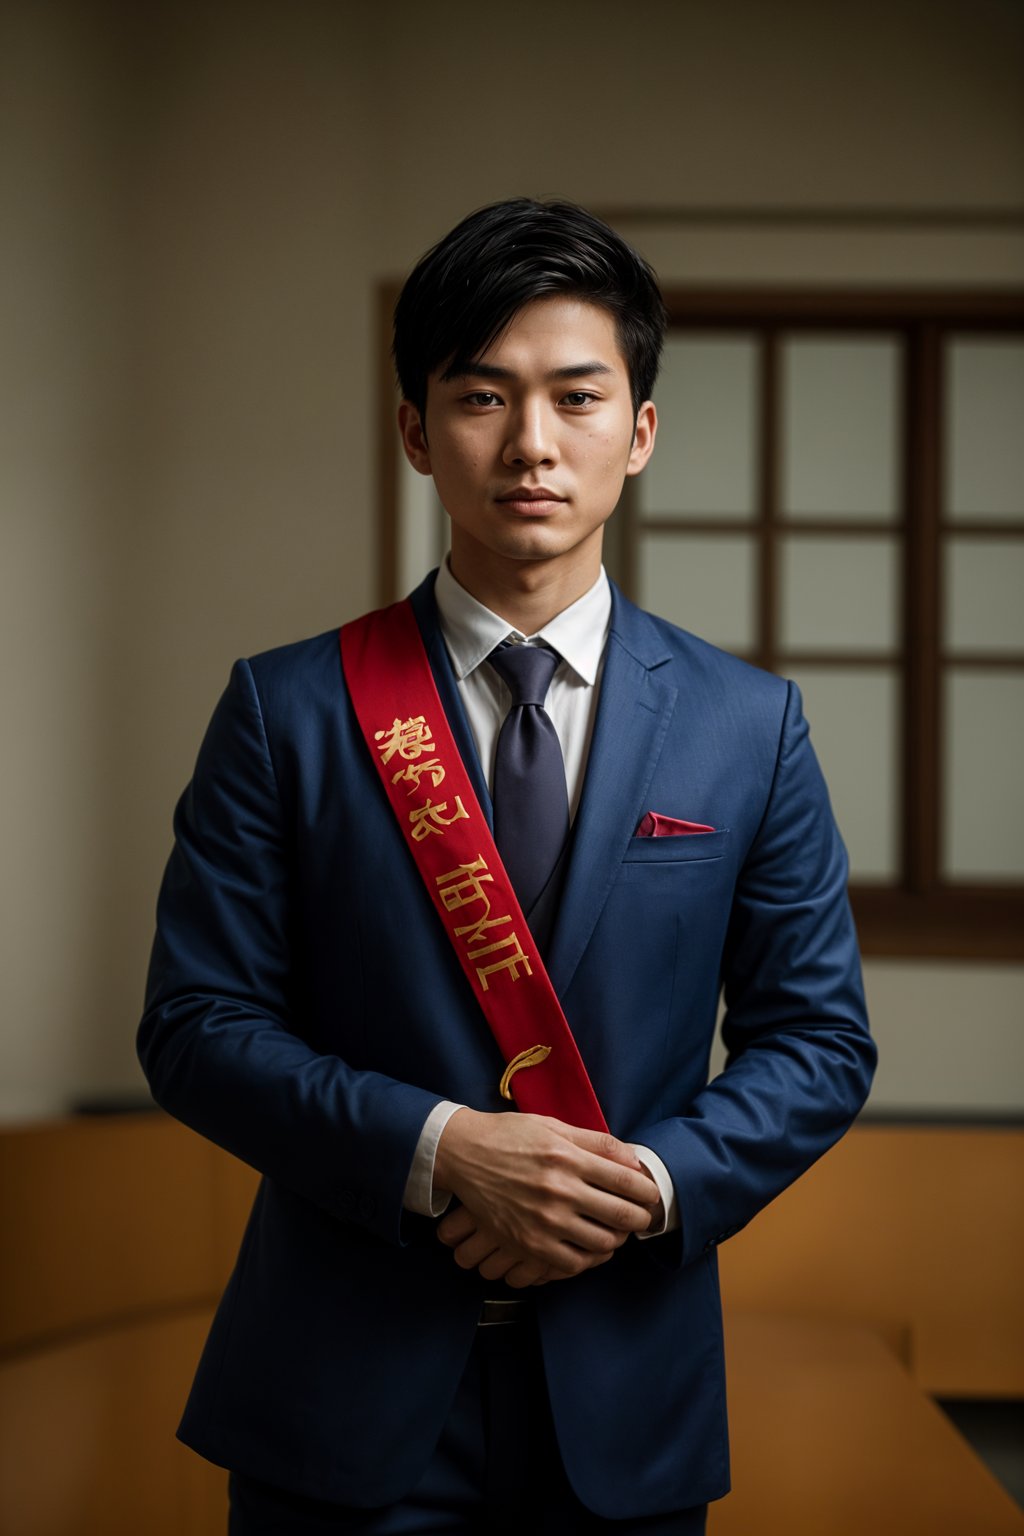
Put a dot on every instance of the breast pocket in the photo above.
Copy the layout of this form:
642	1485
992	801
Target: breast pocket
690	847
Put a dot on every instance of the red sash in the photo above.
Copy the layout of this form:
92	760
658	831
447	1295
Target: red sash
409	738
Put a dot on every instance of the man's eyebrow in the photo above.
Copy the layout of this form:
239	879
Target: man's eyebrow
580	370
492	371
476	371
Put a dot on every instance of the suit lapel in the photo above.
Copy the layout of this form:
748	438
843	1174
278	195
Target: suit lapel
635	708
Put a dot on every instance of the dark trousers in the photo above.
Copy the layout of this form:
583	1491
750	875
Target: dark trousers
496	1469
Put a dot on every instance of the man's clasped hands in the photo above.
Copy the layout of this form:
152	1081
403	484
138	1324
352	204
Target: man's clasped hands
539	1200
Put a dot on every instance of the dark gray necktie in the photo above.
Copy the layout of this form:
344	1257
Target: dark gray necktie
531	804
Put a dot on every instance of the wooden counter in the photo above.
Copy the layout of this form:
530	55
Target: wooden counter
892	1269
831	1437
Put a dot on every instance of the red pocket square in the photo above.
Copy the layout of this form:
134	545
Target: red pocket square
654	825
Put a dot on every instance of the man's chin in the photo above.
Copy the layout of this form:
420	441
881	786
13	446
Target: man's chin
541	541
520	548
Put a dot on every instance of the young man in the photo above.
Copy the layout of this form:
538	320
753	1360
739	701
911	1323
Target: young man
447	1316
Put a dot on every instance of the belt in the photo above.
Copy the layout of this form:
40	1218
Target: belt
495	1312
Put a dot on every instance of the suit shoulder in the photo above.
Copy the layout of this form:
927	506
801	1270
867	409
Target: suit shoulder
297	657
702	662
293	678
713	658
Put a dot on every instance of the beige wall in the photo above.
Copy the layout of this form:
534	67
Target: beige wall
197	210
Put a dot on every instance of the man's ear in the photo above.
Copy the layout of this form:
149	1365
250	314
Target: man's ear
643	438
414	438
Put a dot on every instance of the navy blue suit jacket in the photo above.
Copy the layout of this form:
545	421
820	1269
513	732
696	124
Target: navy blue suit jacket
306	1012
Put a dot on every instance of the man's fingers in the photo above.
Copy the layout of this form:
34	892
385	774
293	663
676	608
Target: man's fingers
476	1250
530	1272
455	1226
616	1214
582	1245
498	1264
602	1144
600	1174
610	1164
588	1217
594	1239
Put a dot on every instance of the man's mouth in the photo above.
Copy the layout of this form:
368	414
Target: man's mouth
531	500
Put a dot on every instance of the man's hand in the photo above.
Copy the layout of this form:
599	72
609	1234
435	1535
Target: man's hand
479	1247
541	1200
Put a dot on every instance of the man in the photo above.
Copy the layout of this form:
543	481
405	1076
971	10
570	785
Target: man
550	1349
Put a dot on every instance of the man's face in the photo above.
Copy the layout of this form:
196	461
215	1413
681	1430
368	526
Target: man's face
529	448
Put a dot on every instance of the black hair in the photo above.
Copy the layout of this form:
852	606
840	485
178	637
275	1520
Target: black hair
467	289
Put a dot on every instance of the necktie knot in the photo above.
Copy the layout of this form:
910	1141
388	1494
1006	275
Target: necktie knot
527	669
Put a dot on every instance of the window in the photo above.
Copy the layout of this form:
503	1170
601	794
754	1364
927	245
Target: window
838	494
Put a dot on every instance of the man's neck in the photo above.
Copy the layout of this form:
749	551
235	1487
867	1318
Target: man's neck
526	594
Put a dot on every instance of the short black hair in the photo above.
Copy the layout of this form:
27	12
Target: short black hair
464	292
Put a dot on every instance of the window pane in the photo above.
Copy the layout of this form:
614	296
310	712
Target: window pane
985	428
840	421
854	720
984	747
703	583
704	462
984	595
838	594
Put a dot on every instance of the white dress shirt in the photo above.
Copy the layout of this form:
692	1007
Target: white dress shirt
579	634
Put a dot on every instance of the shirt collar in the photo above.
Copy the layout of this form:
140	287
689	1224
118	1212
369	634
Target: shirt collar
472	631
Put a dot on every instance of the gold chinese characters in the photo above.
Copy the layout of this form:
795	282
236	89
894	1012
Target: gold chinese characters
464	887
490	943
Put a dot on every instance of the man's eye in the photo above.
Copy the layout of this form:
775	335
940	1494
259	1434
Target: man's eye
579	397
482	397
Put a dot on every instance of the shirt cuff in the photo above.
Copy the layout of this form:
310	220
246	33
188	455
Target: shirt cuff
666	1189
420	1197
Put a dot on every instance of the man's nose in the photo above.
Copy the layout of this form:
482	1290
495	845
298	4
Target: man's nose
532	438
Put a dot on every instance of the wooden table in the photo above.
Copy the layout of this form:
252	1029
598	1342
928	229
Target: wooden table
831	1437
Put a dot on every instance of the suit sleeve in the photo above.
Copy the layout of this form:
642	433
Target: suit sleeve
218	1041
800	1058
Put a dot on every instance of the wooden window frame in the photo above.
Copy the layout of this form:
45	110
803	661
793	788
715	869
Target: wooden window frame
921	915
